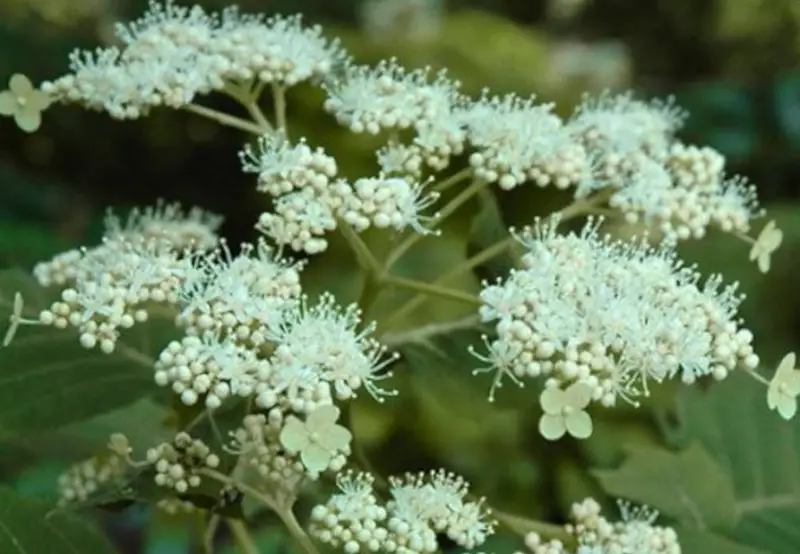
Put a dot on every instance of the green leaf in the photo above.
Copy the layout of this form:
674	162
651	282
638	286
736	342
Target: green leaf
48	380
759	453
702	542
688	486
30	526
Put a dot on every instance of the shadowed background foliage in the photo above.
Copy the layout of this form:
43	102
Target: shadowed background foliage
731	63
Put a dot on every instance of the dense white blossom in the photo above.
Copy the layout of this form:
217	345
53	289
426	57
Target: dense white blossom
420	507
172	54
589	309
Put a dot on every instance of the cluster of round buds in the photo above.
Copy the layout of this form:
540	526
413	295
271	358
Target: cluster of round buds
257	445
421	506
283	167
686	193
172	54
389	97
241	295
389	202
211	366
176	506
592	532
113	285
196	229
611	316
177	463
516	140
352	519
84	479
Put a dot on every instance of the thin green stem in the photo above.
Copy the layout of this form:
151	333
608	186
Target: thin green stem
279	97
454	179
431	290
522	526
365	257
242	536
460	199
468	265
224	119
427	332
283	509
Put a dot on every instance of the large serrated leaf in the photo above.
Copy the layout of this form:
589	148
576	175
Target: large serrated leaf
688	486
30	526
759	452
47	380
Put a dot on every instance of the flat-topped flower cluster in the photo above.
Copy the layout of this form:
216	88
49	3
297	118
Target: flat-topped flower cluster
593	318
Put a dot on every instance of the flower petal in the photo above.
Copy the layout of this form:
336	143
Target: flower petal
294	435
316	458
8	103
552	400
38	100
552	427
787	407
20	85
579	395
764	262
786	367
773	395
28	120
323	416
579	424
335	437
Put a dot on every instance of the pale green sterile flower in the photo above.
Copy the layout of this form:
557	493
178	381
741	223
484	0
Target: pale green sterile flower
564	412
24	103
317	439
785	388
767	242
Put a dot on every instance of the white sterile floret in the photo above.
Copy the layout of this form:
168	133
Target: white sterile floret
242	295
210	368
784	388
591	533
586	308
195	229
319	441
257	445
388	97
389	202
564	411
768	241
517	140
178	464
283	167
320	354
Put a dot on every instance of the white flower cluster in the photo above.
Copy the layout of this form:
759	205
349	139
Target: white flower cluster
421	507
309	201
177	463
172	54
617	143
594	534
114	285
85	478
611	316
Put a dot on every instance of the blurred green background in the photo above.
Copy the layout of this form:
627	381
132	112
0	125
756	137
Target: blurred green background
732	63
